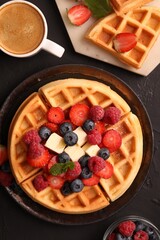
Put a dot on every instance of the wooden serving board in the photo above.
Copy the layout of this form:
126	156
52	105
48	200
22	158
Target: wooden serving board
82	46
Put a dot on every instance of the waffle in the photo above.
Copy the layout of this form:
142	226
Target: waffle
126	160
123	6
144	22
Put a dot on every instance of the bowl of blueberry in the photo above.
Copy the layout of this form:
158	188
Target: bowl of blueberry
132	228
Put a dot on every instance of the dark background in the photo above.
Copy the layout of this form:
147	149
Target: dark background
15	222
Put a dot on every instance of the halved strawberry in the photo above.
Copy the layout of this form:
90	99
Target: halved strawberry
55	115
3	154
78	14
100	127
124	42
94	180
79	114
112	140
106	172
52	126
51	162
55	182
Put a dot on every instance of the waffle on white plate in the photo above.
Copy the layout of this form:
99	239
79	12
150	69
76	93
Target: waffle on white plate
126	160
144	22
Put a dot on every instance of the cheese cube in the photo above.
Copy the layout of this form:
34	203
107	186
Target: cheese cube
82	136
55	143
75	152
91	150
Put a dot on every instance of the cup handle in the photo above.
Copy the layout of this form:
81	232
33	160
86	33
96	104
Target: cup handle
53	48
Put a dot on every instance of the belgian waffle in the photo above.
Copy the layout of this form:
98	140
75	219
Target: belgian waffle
144	22
123	6
126	160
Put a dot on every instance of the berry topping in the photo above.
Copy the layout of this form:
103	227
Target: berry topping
3	155
76	185
70	138
65	189
63	157
111	236
94	180
60	168
55	115
40	183
44	132
51	162
84	161
103	153
86	173
124	42
88	125
78	14
52	126
96	164
65	127
75	172
100	127
37	155
112	115
94	137
31	136
96	113
112	140
127	228
106	172
141	235
6	179
79	114
55	182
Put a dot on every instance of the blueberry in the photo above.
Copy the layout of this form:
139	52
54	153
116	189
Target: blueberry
120	237
76	185
65	127
86	173
139	226
84	160
63	157
88	125
104	153
150	232
44	132
70	138
5	167
65	189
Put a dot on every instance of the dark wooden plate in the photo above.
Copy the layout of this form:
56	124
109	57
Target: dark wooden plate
32	84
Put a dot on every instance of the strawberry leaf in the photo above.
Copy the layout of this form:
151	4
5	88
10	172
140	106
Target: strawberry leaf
99	8
59	168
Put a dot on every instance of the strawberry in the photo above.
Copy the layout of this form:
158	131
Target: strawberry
112	140
94	180
40	183
55	115
106	172
55	182
100	127
79	114
37	155
52	126
124	42
3	154
51	162
78	14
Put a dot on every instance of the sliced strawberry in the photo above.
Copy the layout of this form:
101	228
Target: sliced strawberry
79	114
51	162
55	115
124	42
78	14
3	154
52	126
112	140
55	182
94	180
37	156
106	172
100	127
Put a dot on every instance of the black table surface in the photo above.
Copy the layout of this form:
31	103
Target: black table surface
15	222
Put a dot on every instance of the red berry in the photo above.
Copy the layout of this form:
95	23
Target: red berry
52	126
40	183
78	14
141	235
124	42
55	182
37	155
51	162
96	113
55	115
96	164
127	228
112	115
31	136
112	140
6	178
94	137
3	154
100	127
72	174
79	114
94	180
111	236
107	171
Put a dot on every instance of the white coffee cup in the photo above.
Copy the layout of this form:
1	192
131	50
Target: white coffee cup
24	29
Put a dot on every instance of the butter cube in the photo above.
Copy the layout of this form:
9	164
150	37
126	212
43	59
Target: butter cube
55	143
75	152
82	136
91	150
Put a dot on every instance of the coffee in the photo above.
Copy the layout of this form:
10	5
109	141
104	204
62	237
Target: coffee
21	28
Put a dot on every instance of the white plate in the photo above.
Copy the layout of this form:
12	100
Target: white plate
82	46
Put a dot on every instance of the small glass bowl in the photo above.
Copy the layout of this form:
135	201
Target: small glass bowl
146	222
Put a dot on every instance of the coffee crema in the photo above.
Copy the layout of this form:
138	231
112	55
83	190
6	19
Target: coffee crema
21	28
